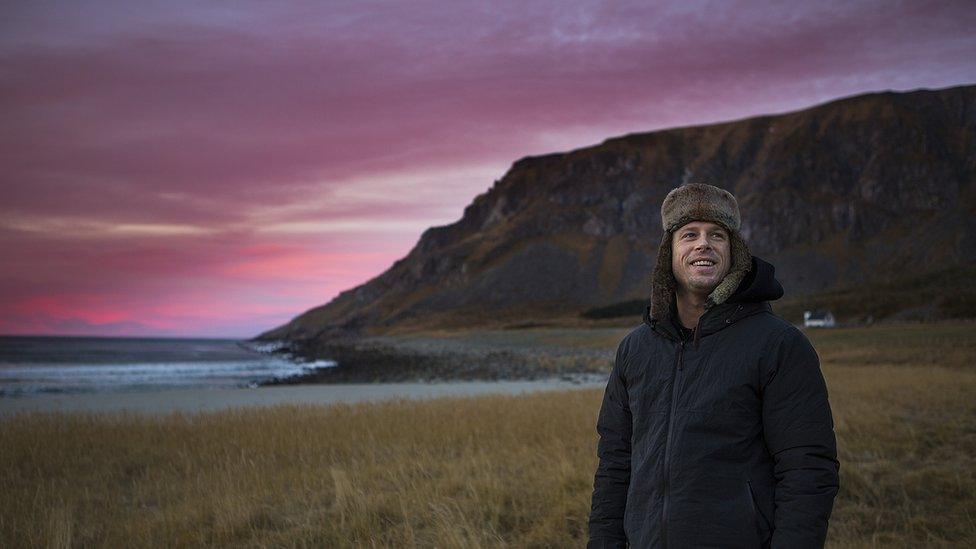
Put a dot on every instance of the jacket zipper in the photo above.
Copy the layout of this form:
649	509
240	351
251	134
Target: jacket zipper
667	447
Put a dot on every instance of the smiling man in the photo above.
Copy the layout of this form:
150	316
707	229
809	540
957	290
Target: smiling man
715	429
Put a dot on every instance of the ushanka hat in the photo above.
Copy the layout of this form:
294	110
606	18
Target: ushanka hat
698	202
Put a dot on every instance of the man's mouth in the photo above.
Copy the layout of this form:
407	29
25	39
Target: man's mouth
703	263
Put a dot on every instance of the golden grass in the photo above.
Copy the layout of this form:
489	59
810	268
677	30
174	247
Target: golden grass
476	472
467	472
950	344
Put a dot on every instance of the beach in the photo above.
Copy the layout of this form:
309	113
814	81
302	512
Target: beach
40	372
206	400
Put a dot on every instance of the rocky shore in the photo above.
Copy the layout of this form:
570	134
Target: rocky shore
472	357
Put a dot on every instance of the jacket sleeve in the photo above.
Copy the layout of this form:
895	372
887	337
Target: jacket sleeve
798	428
612	478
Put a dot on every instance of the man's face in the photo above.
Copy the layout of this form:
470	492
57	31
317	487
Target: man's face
700	256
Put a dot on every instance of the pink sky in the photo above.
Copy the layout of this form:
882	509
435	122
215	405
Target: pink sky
214	171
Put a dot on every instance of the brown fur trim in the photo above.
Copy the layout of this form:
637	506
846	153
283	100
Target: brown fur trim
699	202
741	263
663	283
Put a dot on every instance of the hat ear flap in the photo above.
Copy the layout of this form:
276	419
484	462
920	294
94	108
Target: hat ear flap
662	281
741	263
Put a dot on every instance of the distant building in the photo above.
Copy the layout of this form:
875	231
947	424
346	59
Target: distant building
818	319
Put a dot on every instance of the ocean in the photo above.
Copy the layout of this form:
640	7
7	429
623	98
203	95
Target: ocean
32	365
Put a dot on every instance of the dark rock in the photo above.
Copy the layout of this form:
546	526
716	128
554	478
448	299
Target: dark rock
847	193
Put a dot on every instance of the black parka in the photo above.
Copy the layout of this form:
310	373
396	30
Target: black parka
724	440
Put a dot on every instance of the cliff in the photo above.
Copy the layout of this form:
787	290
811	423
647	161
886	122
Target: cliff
864	204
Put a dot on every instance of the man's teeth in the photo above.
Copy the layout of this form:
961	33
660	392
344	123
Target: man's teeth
703	263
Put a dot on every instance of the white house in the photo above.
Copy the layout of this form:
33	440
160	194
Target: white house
818	319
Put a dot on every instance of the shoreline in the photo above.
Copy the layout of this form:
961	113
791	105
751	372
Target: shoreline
209	400
388	359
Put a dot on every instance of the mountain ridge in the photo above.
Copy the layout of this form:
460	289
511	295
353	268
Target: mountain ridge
831	194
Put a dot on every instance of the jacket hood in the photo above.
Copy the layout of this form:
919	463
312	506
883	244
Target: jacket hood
759	284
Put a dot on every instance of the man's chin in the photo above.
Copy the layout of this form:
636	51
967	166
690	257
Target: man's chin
703	287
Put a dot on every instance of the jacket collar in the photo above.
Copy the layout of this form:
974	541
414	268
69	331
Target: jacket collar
752	296
712	321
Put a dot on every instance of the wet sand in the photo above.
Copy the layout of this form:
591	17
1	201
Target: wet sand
201	400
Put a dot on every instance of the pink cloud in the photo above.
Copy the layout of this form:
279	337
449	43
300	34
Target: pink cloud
203	286
90	308
222	124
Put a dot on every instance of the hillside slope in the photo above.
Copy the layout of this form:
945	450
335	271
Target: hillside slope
846	199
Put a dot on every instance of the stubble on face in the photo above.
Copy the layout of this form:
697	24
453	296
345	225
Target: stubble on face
700	257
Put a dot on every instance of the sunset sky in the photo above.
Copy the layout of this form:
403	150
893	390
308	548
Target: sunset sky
216	168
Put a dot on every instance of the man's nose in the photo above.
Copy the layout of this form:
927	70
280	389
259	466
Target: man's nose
702	243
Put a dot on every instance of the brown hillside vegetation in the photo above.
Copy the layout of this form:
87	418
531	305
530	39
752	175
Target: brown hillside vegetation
480	472
837	197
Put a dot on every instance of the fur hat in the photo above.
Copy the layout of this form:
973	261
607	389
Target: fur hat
697	202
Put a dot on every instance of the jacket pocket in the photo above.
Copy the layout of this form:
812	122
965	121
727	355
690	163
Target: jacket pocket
763	524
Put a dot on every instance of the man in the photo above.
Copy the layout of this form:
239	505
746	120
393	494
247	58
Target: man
715	430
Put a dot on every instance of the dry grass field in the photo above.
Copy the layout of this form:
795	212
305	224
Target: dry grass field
478	472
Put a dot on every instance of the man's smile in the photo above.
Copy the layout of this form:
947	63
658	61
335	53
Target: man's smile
703	265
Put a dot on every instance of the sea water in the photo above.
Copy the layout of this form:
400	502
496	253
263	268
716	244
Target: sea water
37	365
